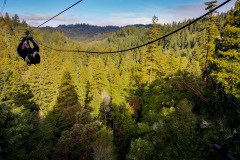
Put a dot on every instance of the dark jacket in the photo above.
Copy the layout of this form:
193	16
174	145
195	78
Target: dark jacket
24	52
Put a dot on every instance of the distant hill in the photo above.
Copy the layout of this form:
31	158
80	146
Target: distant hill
83	32
86	32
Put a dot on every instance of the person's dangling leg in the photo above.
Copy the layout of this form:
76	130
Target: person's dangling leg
36	57
27	60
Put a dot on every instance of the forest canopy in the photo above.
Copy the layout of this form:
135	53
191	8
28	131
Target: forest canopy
171	99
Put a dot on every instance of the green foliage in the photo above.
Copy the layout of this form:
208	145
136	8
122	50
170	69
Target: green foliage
227	57
84	32
103	146
141	150
62	116
123	122
17	127
172	136
152	54
98	84
67	95
149	103
76	143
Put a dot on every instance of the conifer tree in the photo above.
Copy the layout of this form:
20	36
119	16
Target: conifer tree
82	81
116	86
16	20
67	95
211	33
16	126
15	91
62	115
227	58
98	84
43	85
103	146
77	142
153	50
19	113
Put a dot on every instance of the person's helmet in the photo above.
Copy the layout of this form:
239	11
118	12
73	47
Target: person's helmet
25	45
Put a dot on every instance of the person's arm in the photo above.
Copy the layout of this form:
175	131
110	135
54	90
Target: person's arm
36	48
19	49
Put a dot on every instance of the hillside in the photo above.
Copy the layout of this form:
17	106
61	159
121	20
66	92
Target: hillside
83	32
87	32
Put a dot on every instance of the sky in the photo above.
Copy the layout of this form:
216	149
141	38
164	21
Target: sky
107	12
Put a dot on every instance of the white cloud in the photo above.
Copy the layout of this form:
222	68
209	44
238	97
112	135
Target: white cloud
123	19
228	6
180	13
39	17
33	23
118	19
126	21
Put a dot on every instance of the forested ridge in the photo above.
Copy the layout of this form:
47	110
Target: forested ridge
89	33
84	32
171	99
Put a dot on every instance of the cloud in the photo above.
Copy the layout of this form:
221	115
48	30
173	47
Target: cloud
123	19
165	15
180	13
118	19
183	12
227	7
187	11
39	17
126	21
33	23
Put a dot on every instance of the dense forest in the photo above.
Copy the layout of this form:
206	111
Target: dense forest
84	32
89	33
170	100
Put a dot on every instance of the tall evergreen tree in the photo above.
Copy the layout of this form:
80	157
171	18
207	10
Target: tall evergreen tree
67	95
211	33
227	58
116	83
15	91
62	117
153	51
98	84
17	125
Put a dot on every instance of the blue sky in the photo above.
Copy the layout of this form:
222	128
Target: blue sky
107	12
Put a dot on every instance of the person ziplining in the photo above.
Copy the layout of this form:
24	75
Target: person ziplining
30	55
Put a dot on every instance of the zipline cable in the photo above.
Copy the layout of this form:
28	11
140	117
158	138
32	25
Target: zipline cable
57	15
140	46
4	4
